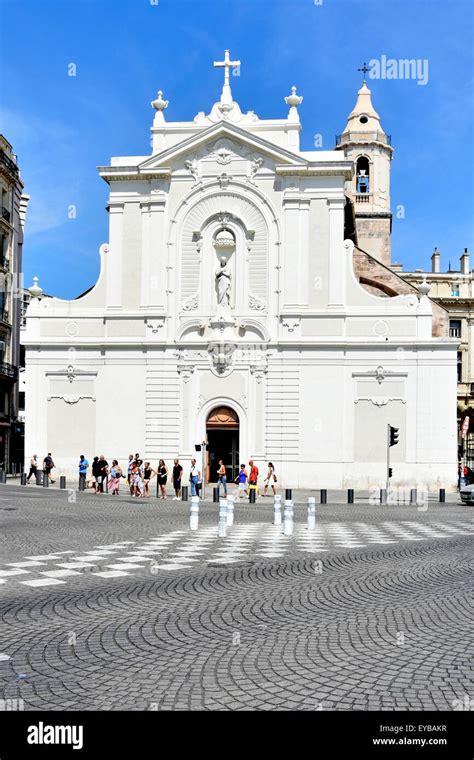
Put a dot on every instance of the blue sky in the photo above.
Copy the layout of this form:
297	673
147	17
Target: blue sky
62	127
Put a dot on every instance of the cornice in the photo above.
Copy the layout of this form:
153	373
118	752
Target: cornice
358	343
317	169
115	173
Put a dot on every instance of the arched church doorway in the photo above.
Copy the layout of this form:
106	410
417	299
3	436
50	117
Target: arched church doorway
222	430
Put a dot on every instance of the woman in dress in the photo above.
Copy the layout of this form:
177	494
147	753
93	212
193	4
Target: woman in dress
148	474
270	480
114	479
136	479
162	477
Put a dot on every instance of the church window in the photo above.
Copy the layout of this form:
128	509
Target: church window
455	290
362	174
364	119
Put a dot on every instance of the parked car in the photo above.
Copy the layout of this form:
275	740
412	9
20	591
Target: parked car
467	494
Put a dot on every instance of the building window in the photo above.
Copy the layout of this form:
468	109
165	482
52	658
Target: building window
362	174
459	366
455	290
454	328
3	249
5	209
3	403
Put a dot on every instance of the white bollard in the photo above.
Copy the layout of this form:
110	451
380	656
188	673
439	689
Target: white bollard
194	518
230	510
222	528
288	518
277	510
311	512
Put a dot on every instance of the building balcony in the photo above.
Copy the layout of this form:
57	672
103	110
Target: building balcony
8	167
363	137
363	197
8	370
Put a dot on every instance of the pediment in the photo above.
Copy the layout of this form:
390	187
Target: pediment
224	143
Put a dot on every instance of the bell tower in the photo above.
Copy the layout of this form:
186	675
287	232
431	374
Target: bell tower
365	143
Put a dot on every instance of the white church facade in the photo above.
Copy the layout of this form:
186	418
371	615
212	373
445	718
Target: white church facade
228	310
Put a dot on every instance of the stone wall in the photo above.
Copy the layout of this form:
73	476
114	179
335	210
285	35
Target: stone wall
373	235
380	280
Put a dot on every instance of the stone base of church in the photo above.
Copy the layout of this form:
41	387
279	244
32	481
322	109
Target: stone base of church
320	416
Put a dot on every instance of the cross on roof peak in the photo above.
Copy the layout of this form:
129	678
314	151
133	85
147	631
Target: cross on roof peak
226	64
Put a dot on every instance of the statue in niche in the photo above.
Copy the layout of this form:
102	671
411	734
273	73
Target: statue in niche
223	283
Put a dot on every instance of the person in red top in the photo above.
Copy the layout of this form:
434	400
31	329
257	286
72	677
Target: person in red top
253	476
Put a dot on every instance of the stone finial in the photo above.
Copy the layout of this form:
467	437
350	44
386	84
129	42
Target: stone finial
35	290
293	100
424	287
159	104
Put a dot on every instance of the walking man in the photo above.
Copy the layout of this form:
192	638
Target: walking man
33	467
83	467
103	472
194	476
48	465
177	477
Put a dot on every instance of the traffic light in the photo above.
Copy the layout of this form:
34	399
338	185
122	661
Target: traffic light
390	472
393	436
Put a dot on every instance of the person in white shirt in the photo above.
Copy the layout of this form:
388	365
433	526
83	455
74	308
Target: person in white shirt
33	467
194	476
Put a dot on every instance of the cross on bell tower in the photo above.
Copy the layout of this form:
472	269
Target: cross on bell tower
364	70
226	64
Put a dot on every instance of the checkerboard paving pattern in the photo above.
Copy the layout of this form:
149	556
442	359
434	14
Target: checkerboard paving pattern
185	550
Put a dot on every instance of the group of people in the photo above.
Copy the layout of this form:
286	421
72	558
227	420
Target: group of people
247	480
48	466
138	475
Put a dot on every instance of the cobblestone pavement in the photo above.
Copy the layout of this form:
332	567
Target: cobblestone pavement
115	604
